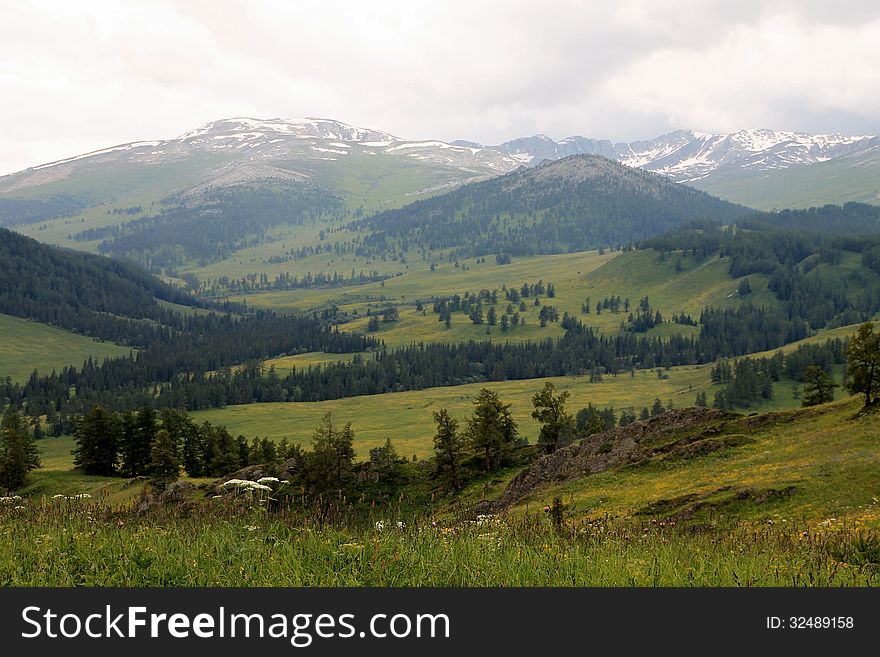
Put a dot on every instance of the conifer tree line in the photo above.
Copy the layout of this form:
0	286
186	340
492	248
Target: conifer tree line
191	375
749	380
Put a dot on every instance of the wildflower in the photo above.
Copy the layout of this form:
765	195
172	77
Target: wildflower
380	526
268	480
434	524
401	525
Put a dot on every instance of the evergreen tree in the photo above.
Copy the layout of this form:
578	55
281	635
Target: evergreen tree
491	428
97	443
863	369
18	451
224	456
331	461
818	386
137	443
164	466
657	408
556	425
386	462
449	447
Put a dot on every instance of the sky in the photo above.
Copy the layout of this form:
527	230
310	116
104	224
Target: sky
79	76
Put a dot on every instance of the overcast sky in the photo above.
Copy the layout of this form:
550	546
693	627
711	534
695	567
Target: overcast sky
77	76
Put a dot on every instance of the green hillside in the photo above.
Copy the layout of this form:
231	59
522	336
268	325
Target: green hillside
573	204
27	346
820	464
843	179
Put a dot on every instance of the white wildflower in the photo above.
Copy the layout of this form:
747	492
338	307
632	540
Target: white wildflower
244	484
268	480
401	525
380	525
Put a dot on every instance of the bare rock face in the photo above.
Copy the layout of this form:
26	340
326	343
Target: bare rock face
670	433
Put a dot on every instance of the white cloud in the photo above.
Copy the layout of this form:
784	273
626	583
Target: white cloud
80	76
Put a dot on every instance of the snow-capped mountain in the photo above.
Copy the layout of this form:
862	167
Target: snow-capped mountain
240	150
689	156
293	139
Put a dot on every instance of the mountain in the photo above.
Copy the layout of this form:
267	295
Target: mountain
244	150
689	156
370	170
576	203
852	177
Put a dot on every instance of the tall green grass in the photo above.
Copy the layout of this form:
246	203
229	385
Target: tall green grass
230	543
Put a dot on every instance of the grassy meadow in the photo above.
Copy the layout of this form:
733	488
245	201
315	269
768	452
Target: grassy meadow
407	417
72	543
27	346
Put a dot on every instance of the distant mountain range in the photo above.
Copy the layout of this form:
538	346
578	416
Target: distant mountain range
360	162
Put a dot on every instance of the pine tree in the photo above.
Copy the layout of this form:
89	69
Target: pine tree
449	447
137	442
491	429
18	451
556	424
863	369
97	443
386	462
818	386
331	463
657	408
164	466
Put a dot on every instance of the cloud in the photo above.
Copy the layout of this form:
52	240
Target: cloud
86	75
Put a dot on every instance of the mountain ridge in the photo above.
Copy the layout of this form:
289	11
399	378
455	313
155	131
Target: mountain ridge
684	155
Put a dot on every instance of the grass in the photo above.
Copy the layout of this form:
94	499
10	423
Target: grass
673	286
407	417
285	364
826	457
27	346
67	543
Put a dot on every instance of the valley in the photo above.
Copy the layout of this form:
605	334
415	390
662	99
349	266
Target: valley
383	330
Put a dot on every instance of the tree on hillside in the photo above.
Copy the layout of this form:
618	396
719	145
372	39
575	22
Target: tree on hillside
97	443
331	461
164	466
557	426
449	447
137	441
386	462
18	451
222	452
818	386
863	369
491	429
